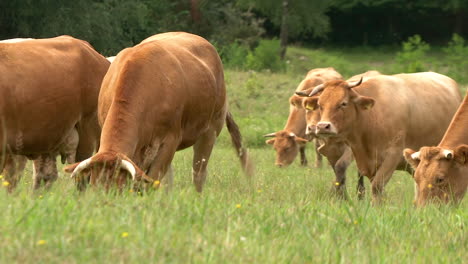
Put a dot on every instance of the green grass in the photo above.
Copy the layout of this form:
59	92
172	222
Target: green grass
285	215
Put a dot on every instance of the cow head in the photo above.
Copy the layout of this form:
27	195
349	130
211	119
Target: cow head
440	174
338	105
286	145
106	169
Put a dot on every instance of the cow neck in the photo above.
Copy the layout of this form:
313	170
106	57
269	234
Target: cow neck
363	143
296	122
456	133
119	132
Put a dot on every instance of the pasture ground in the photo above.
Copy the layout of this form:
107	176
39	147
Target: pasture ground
280	216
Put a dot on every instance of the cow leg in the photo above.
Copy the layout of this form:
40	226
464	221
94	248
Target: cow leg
13	170
361	189
44	171
318	156
201	154
161	166
340	172
303	156
384	173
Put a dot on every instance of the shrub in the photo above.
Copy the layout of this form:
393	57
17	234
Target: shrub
234	55
266	56
411	59
456	58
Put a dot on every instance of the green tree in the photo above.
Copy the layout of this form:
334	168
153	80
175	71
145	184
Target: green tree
294	18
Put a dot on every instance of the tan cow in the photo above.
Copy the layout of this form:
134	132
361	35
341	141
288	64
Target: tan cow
291	140
441	173
49	98
338	154
383	115
160	96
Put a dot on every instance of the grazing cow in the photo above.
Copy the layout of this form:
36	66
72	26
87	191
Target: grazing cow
291	140
338	154
441	173
48	105
383	115
160	96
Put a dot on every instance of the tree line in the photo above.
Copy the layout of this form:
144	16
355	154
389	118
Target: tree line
110	25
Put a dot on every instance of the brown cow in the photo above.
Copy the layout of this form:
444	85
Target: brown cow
49	98
338	154
160	96
291	140
383	115
441	173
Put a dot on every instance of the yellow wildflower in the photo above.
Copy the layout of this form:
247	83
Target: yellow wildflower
355	222
156	183
1	176
238	205
259	190
41	242
429	186
5	183
125	234
337	183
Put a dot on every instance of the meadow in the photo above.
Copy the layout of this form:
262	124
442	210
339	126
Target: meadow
278	216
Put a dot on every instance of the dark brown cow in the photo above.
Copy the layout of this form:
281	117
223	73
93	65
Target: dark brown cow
291	140
441	173
163	95
49	98
383	115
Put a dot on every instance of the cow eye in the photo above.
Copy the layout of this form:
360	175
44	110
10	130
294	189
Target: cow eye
439	180
344	104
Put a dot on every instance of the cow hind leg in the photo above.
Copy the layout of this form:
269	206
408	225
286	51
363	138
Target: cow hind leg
13	170
201	154
303	156
44	171
361	189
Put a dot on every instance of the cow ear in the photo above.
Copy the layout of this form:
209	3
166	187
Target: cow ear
364	102
70	168
296	101
300	140
461	154
412	157
310	103
270	141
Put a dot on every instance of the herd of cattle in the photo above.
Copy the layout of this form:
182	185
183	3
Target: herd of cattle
377	120
135	110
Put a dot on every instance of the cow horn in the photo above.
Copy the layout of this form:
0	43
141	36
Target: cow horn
302	93
447	153
317	90
83	165
354	84
126	165
270	135
292	134
415	155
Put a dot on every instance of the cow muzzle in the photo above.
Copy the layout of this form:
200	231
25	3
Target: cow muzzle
324	129
310	130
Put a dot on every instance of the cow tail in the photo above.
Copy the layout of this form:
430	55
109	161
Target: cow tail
236	139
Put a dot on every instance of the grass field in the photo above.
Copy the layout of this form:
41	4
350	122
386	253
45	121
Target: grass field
279	216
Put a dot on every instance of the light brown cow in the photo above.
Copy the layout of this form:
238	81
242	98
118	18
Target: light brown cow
49	98
441	173
291	140
163	95
385	114
338	154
